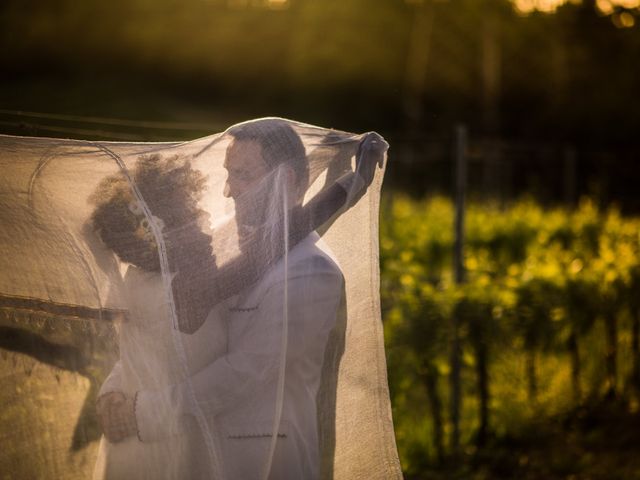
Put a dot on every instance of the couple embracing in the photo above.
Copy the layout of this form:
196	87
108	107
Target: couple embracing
227	323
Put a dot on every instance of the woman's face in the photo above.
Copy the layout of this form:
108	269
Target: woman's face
128	234
171	194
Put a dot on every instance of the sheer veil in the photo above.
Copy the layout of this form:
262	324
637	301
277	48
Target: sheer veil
217	300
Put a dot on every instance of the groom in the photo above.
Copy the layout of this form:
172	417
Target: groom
299	298
268	158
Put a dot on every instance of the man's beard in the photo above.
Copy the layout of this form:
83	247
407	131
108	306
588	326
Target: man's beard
260	212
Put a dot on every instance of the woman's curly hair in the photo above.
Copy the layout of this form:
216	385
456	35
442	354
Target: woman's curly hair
171	188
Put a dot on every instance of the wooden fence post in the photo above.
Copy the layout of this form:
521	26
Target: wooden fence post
460	175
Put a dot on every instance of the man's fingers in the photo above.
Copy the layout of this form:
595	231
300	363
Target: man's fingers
115	429
120	422
114	411
105	404
110	397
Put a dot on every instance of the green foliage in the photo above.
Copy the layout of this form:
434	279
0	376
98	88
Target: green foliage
550	299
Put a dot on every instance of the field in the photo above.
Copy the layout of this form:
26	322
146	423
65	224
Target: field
547	324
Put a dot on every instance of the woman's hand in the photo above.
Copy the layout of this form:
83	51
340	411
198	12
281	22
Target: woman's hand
117	417
370	154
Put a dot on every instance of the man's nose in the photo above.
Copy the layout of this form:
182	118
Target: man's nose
227	189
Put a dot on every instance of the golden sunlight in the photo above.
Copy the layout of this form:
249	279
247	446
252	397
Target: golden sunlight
526	6
278	4
605	6
623	20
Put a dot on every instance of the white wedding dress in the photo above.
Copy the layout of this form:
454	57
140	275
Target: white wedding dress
149	361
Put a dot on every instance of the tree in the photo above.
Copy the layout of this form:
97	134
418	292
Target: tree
475	311
533	314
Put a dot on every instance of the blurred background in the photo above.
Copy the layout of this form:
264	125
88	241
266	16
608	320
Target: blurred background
509	223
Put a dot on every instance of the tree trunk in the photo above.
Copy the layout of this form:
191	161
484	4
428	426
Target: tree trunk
460	175
611	354
574	352
454	380
482	372
430	380
531	375
635	348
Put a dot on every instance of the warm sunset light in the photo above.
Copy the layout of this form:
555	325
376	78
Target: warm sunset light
270	4
278	4
527	6
624	20
605	6
204	274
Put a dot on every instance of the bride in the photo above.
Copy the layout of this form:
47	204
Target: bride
148	358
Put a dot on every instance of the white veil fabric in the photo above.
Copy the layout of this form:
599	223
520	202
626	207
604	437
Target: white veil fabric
204	309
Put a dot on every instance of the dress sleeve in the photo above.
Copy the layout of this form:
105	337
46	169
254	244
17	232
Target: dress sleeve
113	383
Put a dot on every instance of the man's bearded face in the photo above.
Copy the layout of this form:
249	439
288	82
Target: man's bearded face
246	167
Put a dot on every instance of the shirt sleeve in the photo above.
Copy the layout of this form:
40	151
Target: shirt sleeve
255	351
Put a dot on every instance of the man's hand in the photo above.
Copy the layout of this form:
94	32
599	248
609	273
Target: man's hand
370	154
117	417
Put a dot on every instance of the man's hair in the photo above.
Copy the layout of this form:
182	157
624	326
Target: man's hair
280	144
